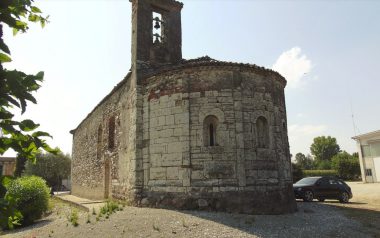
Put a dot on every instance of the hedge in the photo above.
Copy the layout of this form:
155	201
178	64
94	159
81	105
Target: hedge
312	173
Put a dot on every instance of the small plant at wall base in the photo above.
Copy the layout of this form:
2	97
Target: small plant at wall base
109	208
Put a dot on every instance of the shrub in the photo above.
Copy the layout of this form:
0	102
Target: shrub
9	215
312	173
31	195
346	165
322	164
4	182
297	172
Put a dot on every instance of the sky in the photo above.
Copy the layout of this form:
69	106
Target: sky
328	51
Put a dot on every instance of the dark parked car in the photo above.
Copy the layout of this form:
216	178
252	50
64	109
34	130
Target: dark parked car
322	188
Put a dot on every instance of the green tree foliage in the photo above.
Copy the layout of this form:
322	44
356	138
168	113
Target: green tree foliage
16	91
297	172
16	87
322	164
52	168
305	162
31	195
324	148
346	165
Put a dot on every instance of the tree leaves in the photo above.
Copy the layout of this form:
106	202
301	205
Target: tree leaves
4	47
17	88
4	58
35	9
324	148
28	125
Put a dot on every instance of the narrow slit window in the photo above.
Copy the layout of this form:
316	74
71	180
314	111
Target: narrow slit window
212	135
99	144
111	133
210	128
262	132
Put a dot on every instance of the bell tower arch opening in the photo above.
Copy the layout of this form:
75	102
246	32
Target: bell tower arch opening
159	20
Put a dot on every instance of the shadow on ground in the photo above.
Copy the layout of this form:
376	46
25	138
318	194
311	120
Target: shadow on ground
37	224
370	219
314	218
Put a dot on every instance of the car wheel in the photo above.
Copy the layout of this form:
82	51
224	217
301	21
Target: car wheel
308	196
344	197
321	199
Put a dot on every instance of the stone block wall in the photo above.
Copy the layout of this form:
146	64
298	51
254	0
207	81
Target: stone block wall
101	170
181	167
207	137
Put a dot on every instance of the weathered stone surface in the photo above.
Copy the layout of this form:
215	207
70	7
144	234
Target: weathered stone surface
186	134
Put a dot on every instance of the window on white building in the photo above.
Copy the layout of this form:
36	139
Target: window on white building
368	172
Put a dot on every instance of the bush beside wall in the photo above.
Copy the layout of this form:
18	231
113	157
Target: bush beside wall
31	195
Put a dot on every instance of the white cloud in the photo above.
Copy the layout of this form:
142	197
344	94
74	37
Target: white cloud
293	66
301	136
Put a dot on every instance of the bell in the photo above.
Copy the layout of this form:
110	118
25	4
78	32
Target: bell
157	40
157	24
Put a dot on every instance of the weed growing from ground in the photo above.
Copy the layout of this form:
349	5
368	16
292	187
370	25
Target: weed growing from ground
73	217
156	228
88	218
184	224
109	208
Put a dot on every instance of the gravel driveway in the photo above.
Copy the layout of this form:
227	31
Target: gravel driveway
312	220
359	218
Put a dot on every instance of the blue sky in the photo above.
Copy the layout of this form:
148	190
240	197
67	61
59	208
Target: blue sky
328	50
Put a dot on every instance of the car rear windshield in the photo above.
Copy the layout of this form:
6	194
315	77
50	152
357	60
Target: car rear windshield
308	181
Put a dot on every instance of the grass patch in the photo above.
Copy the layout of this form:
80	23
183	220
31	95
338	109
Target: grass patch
109	208
74	217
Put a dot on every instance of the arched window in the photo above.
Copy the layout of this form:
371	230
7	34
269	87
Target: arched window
111	133
262	132
210	126
99	144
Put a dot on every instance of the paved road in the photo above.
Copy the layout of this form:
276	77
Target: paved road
365	195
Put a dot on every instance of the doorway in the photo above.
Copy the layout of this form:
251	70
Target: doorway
107	173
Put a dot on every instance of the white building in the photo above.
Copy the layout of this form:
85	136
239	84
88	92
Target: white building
369	156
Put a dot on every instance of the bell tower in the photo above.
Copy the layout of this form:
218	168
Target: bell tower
156	32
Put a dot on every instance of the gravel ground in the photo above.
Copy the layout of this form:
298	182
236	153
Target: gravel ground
359	218
311	220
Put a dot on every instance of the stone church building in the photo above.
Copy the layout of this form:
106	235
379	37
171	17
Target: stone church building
186	134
